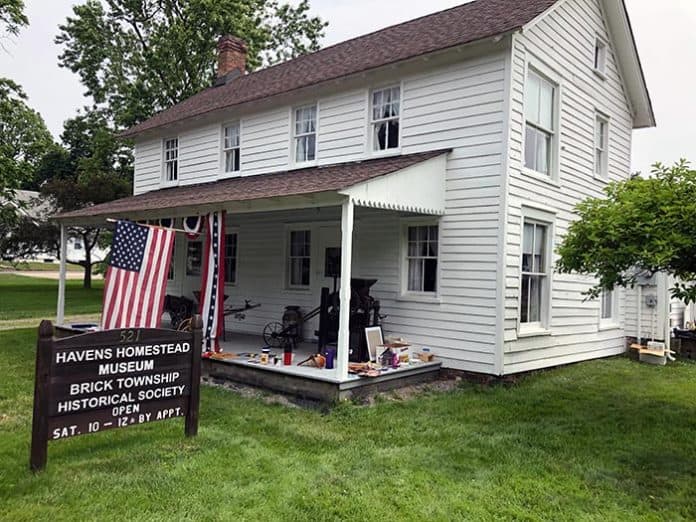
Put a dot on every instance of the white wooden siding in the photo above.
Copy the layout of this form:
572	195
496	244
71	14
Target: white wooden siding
564	42
147	172
342	127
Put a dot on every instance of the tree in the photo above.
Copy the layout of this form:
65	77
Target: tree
24	139
12	17
101	170
643	224
91	167
138	57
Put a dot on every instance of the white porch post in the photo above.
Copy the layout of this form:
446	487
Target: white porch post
60	312
344	291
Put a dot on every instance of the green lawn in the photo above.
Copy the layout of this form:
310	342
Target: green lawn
603	440
38	266
22	297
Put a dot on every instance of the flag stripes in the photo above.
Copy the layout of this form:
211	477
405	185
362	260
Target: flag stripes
136	278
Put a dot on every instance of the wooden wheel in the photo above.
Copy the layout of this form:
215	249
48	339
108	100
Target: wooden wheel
273	335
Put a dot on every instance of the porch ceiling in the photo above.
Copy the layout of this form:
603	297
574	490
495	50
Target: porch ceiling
409	183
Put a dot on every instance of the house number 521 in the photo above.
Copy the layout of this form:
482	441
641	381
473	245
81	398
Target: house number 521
128	336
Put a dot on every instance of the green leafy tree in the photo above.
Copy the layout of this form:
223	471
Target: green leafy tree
12	17
643	224
90	168
138	57
24	139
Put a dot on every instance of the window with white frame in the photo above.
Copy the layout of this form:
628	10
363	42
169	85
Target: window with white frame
305	137
299	258
606	306
231	147
540	116
171	160
600	56
535	273
601	145
194	258
421	258
231	258
386	108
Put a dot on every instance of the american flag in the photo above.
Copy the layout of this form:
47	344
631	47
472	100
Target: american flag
136	278
213	282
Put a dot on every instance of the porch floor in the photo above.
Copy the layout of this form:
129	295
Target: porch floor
305	381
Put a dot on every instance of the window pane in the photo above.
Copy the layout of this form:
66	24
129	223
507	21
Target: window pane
412	248
539	248
305	271
530	147
296	271
543	143
311	147
429	275
531	100
524	300
415	275
535	283
546	105
599	158
393	138
380	136
607	305
527	247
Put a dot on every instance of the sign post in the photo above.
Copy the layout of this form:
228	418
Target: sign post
112	379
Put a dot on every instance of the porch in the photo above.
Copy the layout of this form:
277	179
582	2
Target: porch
360	218
306	382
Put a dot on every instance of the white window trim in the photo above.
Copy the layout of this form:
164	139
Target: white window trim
542	327
553	177
163	175
228	231
409	295
602	44
223	172
604	174
295	227
610	323
293	163
370	128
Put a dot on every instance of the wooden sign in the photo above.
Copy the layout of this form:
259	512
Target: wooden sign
97	381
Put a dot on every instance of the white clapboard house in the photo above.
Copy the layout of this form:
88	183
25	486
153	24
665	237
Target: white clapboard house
444	156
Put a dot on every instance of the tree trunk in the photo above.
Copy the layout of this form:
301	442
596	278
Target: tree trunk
87	280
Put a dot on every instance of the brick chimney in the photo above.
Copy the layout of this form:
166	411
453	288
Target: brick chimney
232	53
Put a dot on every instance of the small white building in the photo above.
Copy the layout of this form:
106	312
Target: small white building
444	156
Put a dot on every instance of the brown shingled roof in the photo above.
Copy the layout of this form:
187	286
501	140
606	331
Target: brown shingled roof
456	26
286	183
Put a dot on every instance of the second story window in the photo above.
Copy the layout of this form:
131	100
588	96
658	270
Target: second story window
600	57
171	160
539	110
230	147
601	146
305	134
386	107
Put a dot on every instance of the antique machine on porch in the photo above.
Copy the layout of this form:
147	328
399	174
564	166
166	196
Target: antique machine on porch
364	312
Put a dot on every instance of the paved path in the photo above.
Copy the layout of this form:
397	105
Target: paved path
33	322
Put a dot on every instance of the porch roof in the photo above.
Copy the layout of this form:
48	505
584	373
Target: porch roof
409	182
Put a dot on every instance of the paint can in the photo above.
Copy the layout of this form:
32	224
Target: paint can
265	353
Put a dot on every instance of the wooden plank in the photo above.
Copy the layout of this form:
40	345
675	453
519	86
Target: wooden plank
39	428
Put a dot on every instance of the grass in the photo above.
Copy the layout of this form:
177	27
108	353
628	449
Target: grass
23	297
37	266
602	440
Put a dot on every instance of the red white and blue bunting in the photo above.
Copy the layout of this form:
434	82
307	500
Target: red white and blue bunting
192	226
213	282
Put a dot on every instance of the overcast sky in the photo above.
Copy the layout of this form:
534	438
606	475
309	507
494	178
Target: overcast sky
664	31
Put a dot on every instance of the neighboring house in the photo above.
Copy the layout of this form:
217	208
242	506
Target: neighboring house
32	207
451	150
